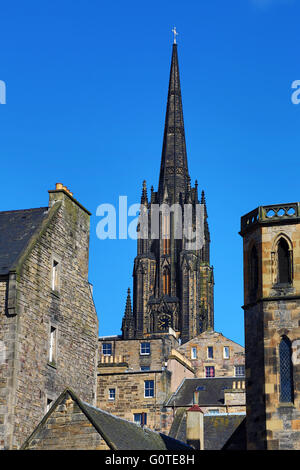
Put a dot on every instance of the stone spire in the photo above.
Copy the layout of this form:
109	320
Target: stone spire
144	197
174	168
128	320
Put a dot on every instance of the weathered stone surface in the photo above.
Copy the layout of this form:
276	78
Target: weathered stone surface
27	378
271	312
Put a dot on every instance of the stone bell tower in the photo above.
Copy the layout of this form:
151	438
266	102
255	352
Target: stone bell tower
271	239
172	285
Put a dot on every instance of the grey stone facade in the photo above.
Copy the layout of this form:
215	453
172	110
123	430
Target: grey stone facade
271	236
48	327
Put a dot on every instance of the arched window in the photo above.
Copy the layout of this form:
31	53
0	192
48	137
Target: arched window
166	234
284	264
166	281
286	371
253	270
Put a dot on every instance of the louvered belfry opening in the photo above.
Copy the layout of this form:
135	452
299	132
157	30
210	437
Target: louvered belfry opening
286	371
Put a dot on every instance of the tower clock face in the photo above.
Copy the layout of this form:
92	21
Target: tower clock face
164	322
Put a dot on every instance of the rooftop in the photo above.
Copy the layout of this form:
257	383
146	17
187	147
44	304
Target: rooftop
273	214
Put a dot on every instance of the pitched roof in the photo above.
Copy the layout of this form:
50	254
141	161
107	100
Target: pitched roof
16	230
118	433
211	391
225	432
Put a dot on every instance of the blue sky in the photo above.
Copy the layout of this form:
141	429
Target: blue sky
86	94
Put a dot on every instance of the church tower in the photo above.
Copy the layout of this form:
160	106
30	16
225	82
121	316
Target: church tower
172	283
271	239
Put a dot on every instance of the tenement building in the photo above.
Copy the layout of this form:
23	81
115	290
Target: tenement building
48	322
271	236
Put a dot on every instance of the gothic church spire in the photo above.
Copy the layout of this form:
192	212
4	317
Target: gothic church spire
174	168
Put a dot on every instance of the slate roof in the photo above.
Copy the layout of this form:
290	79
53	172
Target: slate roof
221	432
118	433
16	230
211	391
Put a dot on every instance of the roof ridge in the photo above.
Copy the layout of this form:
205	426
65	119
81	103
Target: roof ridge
25	210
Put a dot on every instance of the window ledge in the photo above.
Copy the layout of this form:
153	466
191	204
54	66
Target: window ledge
287	404
55	293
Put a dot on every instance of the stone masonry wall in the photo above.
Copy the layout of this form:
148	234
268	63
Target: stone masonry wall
70	310
67	428
130	397
8	327
129	351
223	367
273	313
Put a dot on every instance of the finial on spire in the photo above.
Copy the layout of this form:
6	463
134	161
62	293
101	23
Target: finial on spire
144	198
175	34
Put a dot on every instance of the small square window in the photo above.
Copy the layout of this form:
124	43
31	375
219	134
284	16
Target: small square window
107	349
145	349
149	388
226	354
239	371
213	412
210	352
209	371
194	353
112	394
140	418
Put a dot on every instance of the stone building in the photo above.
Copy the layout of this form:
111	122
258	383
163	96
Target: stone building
48	322
214	355
271	240
136	377
72	424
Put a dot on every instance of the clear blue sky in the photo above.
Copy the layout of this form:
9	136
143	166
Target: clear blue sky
86	94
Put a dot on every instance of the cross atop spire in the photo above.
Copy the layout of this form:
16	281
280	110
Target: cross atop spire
175	34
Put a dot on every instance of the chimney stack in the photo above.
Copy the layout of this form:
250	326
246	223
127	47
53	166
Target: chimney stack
195	427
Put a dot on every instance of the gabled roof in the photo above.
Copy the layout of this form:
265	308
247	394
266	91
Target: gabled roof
211	391
16	230
118	433
209	334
